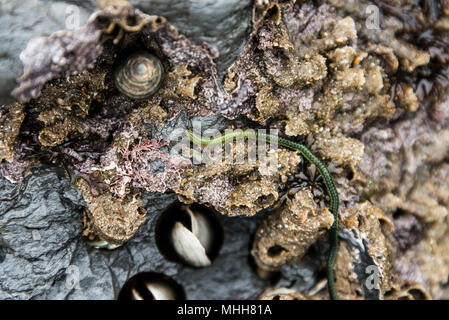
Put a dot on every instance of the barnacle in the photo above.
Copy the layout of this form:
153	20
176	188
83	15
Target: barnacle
151	286
305	176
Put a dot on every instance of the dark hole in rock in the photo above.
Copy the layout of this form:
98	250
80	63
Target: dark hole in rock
272	277
316	256
177	213
276	298
2	254
264	199
275	250
151	286
76	108
102	21
349	174
383	223
446	283
273	12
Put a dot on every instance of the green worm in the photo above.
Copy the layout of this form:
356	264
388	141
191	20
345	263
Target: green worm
306	153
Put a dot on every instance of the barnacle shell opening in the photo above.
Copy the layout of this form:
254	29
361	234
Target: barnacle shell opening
139	76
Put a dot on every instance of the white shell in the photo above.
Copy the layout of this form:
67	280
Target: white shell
192	245
139	76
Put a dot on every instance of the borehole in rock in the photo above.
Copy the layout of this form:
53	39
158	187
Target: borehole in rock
268	275
151	286
189	234
399	213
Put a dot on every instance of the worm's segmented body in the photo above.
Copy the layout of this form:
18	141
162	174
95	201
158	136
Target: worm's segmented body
322	169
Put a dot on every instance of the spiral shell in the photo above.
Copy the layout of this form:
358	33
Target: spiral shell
139	76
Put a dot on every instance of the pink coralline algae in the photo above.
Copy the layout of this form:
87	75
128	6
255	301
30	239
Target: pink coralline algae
135	168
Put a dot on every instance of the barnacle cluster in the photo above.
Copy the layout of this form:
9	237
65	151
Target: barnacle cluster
371	100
